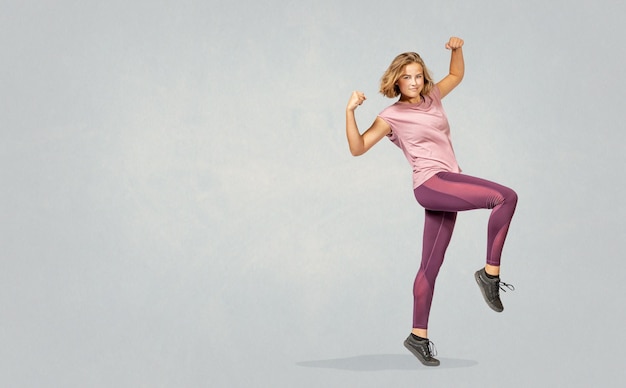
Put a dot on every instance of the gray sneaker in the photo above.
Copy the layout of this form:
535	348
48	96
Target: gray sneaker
490	288
424	350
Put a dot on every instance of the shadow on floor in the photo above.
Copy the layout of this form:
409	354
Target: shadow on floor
376	362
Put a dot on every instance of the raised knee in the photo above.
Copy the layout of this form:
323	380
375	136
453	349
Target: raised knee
511	197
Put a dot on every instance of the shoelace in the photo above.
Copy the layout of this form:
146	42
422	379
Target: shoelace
432	349
502	285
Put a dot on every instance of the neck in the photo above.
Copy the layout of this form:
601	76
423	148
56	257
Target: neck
414	100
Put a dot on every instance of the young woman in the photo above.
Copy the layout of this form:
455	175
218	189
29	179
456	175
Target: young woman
418	125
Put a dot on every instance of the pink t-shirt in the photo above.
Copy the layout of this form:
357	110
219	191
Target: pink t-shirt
422	132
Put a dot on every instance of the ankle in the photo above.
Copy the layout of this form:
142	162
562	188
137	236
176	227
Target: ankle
492	277
418	338
423	333
493	270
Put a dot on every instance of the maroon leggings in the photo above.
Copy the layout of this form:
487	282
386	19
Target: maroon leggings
443	196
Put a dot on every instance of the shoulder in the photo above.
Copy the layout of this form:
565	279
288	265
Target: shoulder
435	93
390	116
393	115
391	111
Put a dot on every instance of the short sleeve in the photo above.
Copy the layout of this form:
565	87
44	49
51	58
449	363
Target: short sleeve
435	93
391	135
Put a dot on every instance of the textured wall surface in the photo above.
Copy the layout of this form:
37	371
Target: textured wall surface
179	207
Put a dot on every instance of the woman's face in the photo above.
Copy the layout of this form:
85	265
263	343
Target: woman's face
411	83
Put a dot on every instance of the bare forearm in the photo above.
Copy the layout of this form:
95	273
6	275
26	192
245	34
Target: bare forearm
457	67
355	140
457	64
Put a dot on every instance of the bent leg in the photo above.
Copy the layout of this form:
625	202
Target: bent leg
451	192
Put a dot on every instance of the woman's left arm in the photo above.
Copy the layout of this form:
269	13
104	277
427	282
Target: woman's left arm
457	67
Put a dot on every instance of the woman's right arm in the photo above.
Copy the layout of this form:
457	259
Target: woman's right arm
361	143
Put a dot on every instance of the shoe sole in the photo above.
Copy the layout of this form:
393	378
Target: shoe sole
419	356
482	291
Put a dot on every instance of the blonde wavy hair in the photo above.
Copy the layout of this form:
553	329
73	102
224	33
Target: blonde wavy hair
388	87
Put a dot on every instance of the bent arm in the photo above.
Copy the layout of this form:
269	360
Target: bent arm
457	67
361	143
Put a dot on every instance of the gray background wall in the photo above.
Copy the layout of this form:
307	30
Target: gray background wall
179	207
